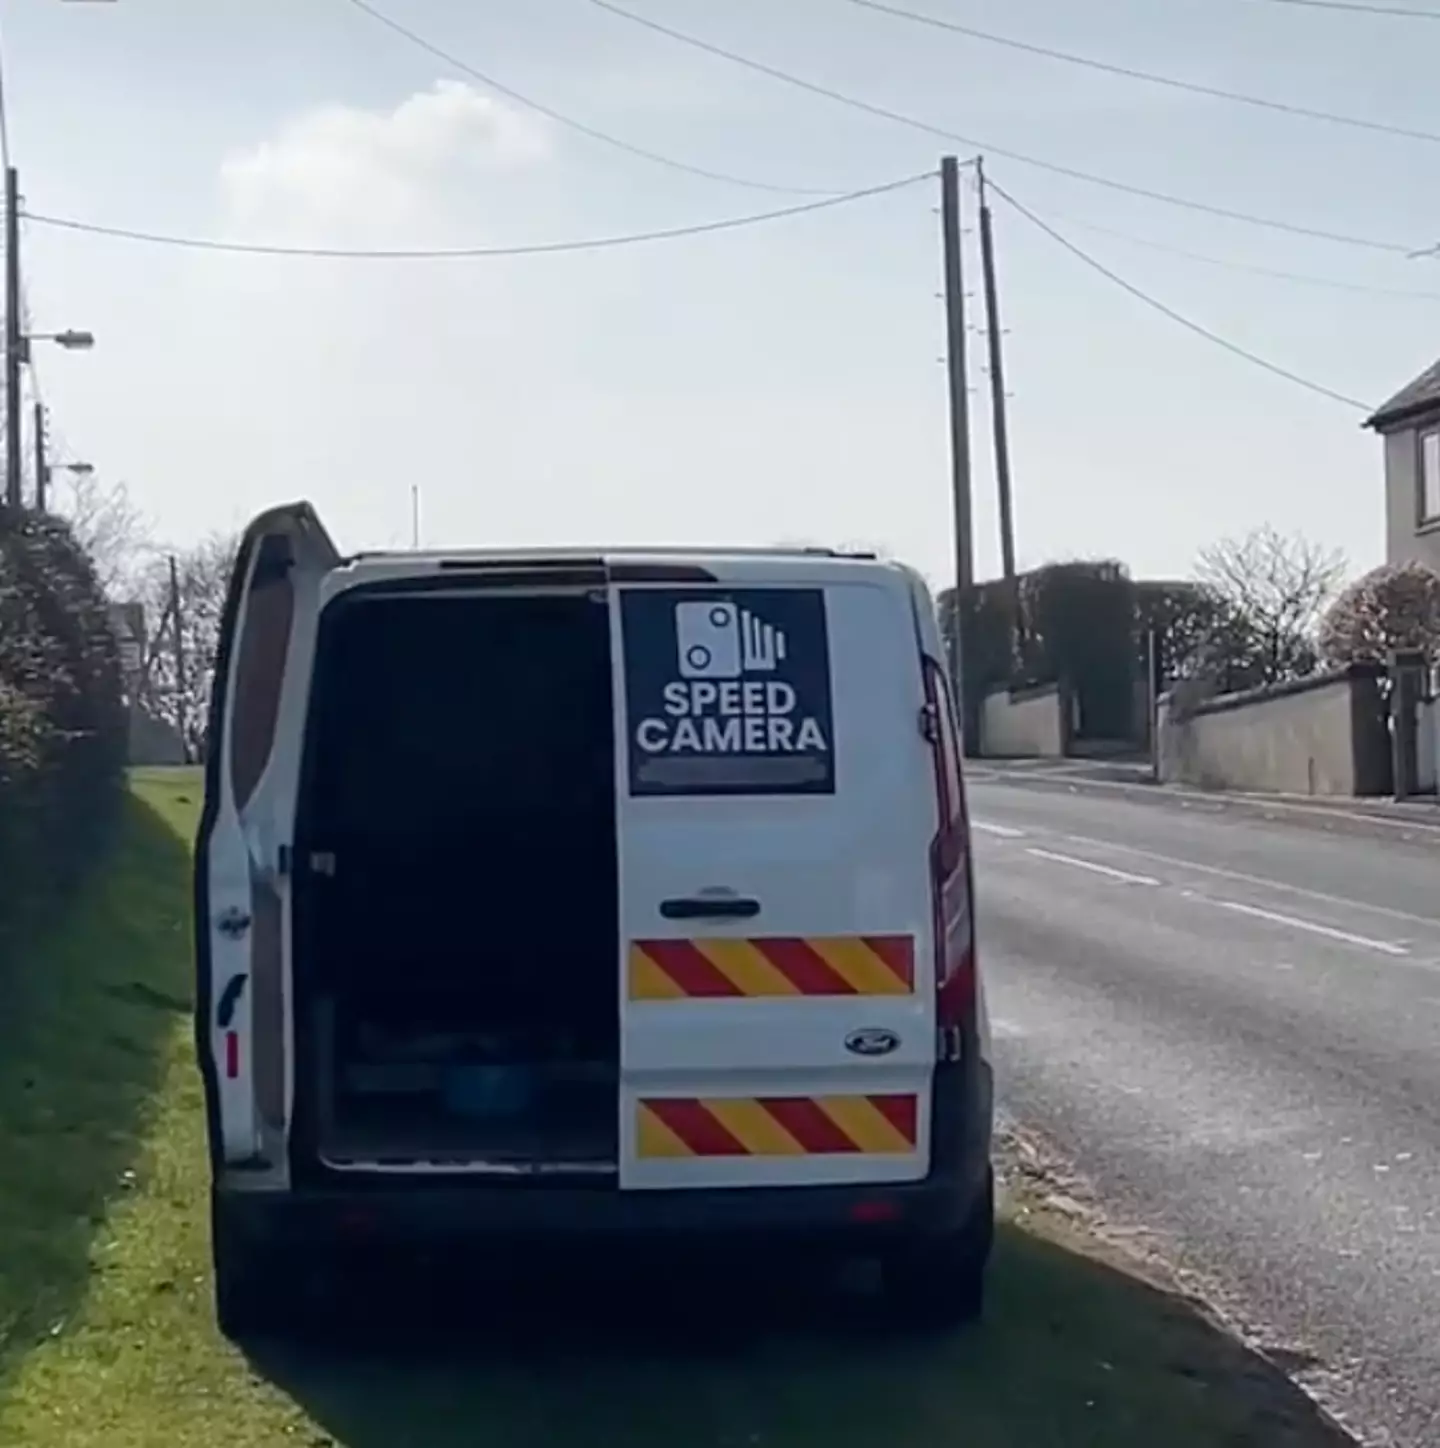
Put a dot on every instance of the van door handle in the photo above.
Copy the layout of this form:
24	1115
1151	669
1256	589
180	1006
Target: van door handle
710	907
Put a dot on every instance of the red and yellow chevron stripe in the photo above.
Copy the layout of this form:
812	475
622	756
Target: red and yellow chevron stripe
772	965
777	1126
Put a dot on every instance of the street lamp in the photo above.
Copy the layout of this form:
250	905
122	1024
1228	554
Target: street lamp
17	354
45	478
45	470
17	342
70	339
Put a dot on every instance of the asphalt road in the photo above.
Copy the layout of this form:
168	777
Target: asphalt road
1231	1026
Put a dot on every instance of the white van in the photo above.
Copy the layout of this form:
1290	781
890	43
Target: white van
549	896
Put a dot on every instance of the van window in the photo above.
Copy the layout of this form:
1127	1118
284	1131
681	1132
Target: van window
728	692
432	712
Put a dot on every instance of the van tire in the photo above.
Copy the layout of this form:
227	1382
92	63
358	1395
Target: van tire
252	1286
938	1283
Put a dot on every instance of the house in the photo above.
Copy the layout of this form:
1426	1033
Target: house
1410	426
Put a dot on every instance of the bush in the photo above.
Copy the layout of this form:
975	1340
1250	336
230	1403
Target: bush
1395	606
1079	622
63	719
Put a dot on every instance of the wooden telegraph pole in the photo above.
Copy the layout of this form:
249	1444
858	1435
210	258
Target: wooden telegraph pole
960	462
14	341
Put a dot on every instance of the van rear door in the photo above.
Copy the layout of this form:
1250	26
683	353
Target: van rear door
262	677
776	810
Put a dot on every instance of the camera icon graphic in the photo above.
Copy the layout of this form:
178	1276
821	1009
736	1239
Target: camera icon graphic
723	641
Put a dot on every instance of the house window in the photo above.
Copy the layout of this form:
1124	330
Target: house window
1429	491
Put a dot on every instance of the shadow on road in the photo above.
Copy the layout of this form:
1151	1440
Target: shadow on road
1075	1354
88	1009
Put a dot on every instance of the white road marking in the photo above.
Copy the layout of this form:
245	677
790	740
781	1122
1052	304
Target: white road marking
1004	831
1106	870
1385	947
1261	880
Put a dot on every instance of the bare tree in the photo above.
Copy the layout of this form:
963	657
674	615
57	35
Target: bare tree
107	524
1278	585
185	633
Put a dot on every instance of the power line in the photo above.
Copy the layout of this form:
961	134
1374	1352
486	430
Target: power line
598	243
1171	313
814	87
915	17
973	143
1348	5
561	118
1230	264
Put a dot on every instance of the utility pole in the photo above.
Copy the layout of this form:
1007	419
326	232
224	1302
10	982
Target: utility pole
42	467
960	479
415	515
177	626
14	340
998	413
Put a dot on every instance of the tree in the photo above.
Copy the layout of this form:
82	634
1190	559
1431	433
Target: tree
106	524
1276	587
1202	637
1395	606
1196	631
180	668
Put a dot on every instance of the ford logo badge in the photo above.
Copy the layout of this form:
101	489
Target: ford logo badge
872	1041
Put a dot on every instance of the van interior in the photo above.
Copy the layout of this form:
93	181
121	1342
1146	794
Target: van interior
457	951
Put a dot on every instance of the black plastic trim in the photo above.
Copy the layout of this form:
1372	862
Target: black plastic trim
703	908
229	999
622	572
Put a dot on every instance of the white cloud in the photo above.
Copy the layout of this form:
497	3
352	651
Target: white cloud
335	378
338	169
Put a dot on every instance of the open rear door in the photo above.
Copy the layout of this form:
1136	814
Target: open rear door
243	1027
776	808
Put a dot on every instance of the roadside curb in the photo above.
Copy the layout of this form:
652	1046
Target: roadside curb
1389	816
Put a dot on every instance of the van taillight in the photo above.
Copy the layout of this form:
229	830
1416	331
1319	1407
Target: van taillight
950	882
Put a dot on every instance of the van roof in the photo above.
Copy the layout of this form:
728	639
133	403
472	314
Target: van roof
815	566
436	556
812	563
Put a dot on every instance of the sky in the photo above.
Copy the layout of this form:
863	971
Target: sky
774	383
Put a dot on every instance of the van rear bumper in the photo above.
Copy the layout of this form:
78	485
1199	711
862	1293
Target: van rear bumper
422	1212
433	1216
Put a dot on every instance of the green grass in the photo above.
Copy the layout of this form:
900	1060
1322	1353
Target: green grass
106	1334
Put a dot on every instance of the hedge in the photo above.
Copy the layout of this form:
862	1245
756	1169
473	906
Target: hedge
63	718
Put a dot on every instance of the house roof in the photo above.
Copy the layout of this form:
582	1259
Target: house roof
1418	396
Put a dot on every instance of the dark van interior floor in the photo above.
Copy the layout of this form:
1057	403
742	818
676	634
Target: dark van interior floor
460	968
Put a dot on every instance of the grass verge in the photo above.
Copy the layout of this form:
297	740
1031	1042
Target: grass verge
106	1335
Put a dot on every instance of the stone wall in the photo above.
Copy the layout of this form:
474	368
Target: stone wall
1023	723
1321	736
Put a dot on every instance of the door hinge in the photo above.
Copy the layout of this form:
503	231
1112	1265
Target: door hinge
233	923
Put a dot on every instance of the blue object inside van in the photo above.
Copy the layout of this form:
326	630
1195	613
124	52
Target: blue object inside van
487	1091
